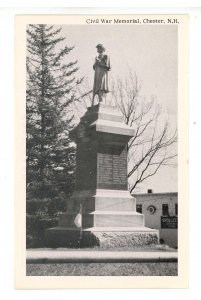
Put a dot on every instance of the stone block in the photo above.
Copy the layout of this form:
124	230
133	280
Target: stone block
104	238
112	204
101	200
113	219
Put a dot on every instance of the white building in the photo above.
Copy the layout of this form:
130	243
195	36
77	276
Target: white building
160	211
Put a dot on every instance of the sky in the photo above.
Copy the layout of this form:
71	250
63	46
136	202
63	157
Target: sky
150	51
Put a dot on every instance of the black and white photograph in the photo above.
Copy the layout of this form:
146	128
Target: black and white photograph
102	168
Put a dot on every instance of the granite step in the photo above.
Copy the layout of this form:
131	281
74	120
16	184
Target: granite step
104	219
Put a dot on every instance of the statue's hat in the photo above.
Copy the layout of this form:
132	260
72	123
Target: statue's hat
100	46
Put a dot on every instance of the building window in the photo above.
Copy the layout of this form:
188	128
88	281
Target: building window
176	209
139	208
165	210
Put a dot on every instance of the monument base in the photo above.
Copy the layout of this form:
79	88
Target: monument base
108	212
104	238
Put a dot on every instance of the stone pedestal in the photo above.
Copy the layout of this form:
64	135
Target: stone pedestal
109	217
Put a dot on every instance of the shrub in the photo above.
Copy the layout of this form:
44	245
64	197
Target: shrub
35	227
42	214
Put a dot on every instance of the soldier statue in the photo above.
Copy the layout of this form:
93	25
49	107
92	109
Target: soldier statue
101	68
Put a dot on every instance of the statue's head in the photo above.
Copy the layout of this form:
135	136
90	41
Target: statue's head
100	48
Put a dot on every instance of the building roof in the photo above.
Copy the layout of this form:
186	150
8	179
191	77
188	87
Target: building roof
155	194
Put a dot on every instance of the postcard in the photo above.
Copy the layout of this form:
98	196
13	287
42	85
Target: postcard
101	151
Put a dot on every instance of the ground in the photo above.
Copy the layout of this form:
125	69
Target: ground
103	269
107	268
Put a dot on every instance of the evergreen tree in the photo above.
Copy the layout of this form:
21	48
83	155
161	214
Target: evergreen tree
51	86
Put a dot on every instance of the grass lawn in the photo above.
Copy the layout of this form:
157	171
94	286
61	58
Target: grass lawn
103	269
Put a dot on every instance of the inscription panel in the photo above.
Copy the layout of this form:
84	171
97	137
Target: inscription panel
112	167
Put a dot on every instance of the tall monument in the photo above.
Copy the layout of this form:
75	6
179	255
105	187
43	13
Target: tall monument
101	196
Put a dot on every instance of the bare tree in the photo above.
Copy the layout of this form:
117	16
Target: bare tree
153	144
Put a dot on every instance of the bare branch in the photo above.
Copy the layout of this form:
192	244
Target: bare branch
148	148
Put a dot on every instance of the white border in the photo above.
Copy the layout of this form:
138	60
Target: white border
6	170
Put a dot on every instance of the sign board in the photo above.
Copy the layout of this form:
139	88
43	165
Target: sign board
169	222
